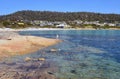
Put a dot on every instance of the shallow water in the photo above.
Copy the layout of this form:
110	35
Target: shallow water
83	54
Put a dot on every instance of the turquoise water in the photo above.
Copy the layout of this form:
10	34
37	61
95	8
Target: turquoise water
83	54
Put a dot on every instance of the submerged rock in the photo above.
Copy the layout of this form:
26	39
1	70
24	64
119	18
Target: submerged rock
53	50
28	59
30	70
73	71
34	59
41	59
51	73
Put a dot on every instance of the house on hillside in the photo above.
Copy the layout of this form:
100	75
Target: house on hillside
118	24
21	23
35	22
78	22
62	26
111	24
46	23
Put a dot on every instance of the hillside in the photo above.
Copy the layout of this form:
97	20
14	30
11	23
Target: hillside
60	16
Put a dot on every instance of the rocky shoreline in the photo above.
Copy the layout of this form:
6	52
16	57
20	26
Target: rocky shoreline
28	70
13	44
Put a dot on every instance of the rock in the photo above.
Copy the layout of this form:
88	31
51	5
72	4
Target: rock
31	59
41	59
51	73
35	59
28	59
10	63
53	50
73	71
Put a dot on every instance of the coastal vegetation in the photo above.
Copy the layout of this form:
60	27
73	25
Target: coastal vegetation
60	16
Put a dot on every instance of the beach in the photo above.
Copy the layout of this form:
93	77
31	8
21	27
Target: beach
12	44
15	44
41	29
36	29
81	54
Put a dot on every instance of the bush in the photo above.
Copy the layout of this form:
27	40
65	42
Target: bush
6	23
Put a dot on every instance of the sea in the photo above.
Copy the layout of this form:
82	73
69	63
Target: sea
82	54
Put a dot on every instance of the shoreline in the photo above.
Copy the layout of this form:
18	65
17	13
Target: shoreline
37	29
20	45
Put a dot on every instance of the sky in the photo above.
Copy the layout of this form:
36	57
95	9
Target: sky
99	6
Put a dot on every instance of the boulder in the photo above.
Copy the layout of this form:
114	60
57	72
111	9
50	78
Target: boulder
28	59
41	59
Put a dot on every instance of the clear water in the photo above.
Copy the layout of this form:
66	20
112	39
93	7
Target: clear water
83	54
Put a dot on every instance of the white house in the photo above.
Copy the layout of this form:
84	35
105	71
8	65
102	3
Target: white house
62	26
111	24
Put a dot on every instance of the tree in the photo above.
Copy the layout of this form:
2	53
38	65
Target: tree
6	23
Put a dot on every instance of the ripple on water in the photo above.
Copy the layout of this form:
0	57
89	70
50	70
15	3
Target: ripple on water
81	55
